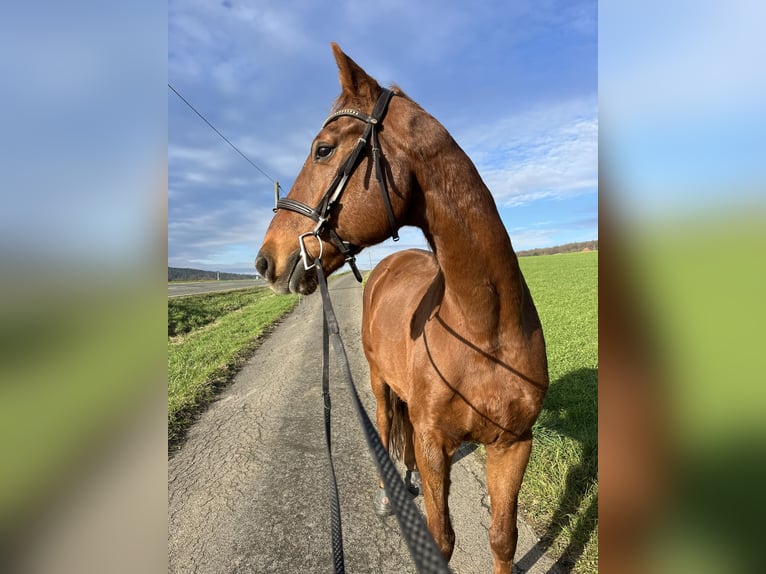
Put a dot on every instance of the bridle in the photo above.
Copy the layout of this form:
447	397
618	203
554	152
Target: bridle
322	212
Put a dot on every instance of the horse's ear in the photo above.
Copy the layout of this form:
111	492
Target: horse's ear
353	79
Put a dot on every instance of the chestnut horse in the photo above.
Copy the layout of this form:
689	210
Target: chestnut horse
454	343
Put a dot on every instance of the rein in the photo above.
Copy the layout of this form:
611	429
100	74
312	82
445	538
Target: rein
321	213
426	555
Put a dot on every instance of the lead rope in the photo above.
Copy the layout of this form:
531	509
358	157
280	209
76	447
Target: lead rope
426	555
335	523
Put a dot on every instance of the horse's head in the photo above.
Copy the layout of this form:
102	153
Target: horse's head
337	206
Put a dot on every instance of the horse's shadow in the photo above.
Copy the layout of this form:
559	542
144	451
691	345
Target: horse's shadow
464	450
572	397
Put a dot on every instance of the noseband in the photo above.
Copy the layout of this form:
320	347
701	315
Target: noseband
321	213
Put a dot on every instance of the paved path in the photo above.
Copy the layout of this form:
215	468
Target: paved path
247	491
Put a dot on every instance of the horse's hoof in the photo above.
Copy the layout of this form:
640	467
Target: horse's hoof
382	504
412	482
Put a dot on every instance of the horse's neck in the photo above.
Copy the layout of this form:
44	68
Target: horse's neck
483	287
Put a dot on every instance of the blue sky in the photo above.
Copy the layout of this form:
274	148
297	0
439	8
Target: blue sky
515	83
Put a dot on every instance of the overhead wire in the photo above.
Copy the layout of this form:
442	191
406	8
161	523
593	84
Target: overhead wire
239	151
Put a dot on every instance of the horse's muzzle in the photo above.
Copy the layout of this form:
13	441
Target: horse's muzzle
294	278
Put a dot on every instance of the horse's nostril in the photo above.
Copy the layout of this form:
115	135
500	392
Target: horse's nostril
263	265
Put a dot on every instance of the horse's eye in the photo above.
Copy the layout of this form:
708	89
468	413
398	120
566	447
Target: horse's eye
323	152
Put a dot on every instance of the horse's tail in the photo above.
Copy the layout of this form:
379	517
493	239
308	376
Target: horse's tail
400	421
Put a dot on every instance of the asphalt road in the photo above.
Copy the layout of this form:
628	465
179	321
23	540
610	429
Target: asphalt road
197	288
248	490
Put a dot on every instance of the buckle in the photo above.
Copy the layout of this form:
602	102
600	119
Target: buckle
304	251
351	260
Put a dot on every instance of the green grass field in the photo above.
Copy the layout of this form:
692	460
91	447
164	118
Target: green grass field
209	337
559	496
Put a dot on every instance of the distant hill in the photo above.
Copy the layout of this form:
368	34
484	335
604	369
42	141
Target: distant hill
183	274
566	248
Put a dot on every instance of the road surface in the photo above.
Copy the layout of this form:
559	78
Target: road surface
248	490
200	287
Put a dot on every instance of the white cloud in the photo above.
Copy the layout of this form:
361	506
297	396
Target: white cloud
531	238
207	158
281	157
550	151
211	41
210	234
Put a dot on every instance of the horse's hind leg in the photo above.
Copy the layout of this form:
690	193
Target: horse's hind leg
505	470
412	479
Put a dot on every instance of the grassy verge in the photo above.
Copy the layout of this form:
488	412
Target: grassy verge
560	492
209	337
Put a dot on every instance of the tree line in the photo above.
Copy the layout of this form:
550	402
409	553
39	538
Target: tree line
566	248
184	274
